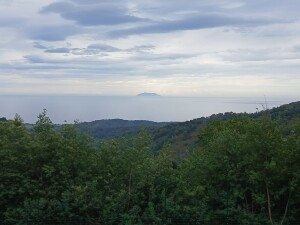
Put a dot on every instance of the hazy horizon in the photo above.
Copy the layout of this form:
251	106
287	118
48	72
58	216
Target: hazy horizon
159	95
158	109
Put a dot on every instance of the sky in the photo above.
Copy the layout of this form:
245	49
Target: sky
171	47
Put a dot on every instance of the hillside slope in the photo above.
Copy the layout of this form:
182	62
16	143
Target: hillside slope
108	129
183	136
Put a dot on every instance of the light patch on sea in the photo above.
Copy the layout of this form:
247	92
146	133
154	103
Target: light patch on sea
89	108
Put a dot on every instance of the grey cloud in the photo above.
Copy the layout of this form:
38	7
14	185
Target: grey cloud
58	7
88	2
42	66
97	49
103	47
35	59
58	50
261	55
223	13
7	22
288	8
162	58
94	49
141	48
40	46
88	52
296	48
39	59
91	15
178	7
83	67
53	33
192	23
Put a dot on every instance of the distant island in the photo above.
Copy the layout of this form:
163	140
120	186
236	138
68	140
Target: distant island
145	94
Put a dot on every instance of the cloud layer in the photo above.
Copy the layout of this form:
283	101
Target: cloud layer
150	46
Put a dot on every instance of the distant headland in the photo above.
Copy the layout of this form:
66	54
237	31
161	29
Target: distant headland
146	94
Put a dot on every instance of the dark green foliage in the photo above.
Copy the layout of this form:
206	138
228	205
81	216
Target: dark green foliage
285	112
243	171
109	129
182	136
58	177
38	169
248	170
3	119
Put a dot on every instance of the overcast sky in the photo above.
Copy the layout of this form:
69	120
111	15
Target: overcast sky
171	47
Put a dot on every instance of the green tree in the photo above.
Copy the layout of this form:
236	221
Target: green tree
243	171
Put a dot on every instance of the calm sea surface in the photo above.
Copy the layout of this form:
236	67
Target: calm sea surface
89	108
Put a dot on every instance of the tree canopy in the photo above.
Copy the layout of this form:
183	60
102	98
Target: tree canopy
245	171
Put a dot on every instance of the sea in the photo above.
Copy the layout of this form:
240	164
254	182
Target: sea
67	109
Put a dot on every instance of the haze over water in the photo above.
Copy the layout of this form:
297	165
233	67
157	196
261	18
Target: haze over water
89	108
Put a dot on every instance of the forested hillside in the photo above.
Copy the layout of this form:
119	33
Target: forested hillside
285	112
244	171
108	129
181	136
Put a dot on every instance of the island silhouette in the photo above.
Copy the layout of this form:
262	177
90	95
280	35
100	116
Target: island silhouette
147	94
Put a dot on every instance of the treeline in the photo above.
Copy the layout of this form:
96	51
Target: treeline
245	171
183	136
3	119
113	128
